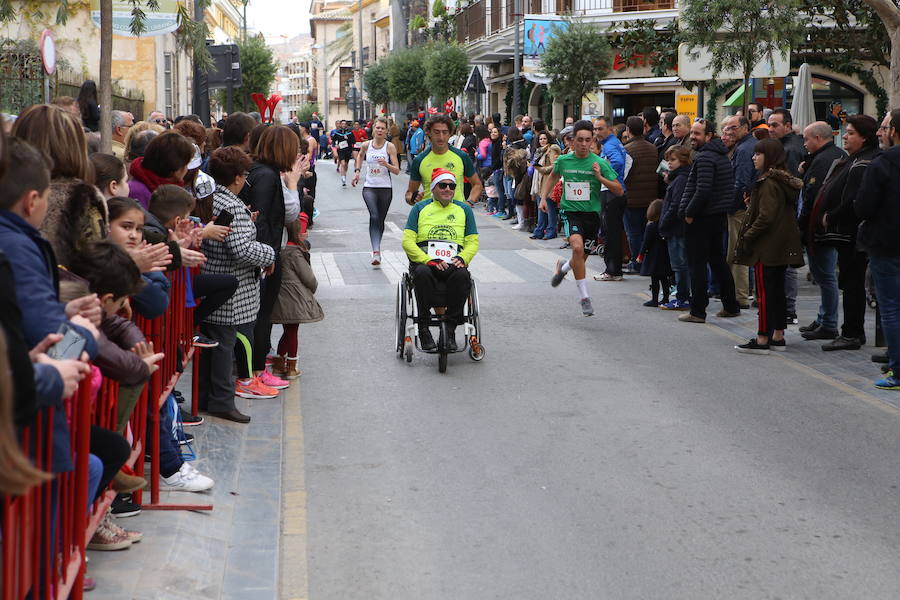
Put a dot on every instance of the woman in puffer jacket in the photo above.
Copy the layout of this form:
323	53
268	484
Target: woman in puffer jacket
770	242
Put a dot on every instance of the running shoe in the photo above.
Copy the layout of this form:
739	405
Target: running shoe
888	383
315	213
376	258
273	381
778	345
675	305
587	309
558	275
651	303
753	347
254	389
608	277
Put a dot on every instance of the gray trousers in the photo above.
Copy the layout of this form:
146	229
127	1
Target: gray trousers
216	365
791	285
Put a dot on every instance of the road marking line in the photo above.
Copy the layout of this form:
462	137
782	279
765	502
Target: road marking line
293	562
394	264
548	258
331	267
815	374
318	268
393	229
487	271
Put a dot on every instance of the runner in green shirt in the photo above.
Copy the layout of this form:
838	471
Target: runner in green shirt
585	177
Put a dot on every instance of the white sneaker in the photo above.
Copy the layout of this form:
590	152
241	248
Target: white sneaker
187	479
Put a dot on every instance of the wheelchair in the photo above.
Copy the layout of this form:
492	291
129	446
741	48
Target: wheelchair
408	318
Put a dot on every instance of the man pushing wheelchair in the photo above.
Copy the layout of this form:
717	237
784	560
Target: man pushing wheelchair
440	239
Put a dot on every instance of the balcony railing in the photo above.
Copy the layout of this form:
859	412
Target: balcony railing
485	17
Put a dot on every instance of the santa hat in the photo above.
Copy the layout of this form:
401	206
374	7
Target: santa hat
439	175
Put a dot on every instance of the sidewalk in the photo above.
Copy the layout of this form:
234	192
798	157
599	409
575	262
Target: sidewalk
230	553
851	368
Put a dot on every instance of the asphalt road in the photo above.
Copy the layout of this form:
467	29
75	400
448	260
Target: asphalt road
625	455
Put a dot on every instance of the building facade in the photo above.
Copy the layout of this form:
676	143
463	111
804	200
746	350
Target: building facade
332	30
294	81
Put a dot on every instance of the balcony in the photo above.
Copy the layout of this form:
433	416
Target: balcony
487	17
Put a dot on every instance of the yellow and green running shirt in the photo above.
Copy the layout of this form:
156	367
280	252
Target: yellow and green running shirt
454	160
581	190
429	220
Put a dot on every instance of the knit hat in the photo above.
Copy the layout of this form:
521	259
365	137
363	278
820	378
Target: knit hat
439	175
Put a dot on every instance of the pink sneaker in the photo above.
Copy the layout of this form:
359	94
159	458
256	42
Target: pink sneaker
273	382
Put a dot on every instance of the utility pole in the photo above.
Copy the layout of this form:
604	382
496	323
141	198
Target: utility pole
201	82
517	59
362	105
244	37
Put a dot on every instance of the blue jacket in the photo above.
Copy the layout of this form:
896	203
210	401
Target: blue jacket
710	185
614	152
416	141
153	300
34	270
744	171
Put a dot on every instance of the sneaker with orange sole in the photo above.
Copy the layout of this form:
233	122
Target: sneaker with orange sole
254	388
272	381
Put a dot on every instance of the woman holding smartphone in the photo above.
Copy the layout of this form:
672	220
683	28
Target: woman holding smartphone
380	157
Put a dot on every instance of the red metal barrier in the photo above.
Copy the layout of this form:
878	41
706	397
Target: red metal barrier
45	531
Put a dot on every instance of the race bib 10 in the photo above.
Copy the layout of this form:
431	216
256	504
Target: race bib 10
442	250
578	191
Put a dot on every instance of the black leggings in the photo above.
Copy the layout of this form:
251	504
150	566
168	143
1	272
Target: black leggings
262	332
113	451
378	201
215	289
771	299
457	284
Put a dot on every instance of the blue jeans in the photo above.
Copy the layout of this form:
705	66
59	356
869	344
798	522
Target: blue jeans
501	192
510	195
635	222
886	274
822	265
679	262
541	225
170	460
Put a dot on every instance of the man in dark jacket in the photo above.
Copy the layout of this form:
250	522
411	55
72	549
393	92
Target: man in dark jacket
704	206
878	207
819	142
744	176
781	127
641	184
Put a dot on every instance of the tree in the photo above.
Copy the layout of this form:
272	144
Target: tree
890	15
258	70
376	82
190	35
405	71
446	70
738	33
576	59
341	46
304	115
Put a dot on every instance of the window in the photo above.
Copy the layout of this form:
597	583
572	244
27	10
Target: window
346	76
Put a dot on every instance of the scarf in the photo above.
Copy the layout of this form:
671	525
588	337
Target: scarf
148	177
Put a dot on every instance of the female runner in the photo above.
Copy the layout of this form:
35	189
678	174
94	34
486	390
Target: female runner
380	157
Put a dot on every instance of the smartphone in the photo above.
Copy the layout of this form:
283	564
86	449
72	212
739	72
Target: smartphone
225	218
70	347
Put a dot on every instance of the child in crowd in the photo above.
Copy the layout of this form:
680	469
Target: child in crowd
124	356
672	228
296	303
239	254
110	175
167	220
654	257
490	190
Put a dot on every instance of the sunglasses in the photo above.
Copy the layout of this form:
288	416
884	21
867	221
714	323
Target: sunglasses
445	185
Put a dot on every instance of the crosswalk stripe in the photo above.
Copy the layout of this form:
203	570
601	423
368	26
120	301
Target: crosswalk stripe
393	230
335	279
485	270
547	259
394	264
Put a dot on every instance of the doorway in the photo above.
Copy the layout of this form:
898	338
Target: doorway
627	105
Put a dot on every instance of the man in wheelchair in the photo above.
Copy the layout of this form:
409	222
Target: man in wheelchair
440	239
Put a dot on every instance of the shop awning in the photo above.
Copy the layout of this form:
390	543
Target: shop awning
737	98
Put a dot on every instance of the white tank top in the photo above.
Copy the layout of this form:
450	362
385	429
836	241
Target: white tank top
377	176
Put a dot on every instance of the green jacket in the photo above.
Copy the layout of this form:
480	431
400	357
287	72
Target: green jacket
429	220
769	233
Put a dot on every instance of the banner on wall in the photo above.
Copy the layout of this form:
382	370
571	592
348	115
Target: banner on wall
156	22
538	31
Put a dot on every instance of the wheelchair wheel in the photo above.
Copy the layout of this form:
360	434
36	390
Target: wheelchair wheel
400	317
476	347
442	347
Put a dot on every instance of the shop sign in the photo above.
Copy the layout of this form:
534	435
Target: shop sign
159	21
686	104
